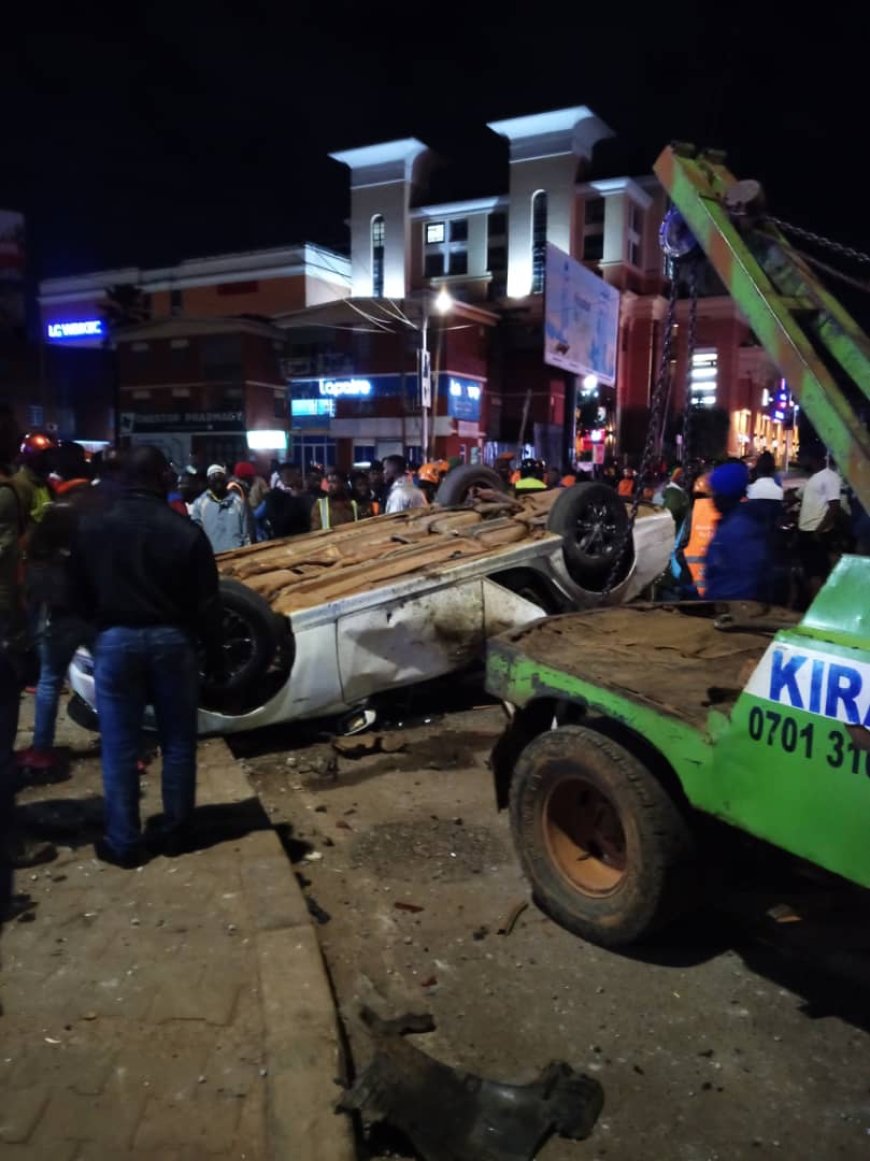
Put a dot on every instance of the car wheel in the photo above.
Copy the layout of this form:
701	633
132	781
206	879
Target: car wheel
454	489
607	851
252	633
592	521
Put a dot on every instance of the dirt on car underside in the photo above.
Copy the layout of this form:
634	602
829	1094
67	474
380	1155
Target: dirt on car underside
304	571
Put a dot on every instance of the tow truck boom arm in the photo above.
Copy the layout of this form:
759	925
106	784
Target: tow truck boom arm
806	332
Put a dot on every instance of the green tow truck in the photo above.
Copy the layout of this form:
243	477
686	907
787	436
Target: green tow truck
631	724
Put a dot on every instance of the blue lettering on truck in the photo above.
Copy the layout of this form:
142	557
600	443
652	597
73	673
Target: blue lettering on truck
819	683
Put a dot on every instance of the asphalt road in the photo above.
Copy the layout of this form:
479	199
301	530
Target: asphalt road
721	1041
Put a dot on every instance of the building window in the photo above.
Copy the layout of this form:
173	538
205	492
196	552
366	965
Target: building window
593	230
459	230
459	262
434	233
634	236
539	240
35	415
378	236
363	454
703	376
176	301
593	247
233	288
434	267
497	224
593	212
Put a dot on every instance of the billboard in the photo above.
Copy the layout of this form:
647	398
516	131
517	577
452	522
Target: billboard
12	290
581	318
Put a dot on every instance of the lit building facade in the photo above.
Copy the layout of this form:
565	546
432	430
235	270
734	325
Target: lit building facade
490	252
199	297
356	328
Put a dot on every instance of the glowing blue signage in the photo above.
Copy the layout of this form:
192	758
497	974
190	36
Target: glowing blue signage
463	398
351	387
90	328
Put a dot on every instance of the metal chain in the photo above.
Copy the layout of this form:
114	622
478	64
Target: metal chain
692	342
820	240
657	405
855	283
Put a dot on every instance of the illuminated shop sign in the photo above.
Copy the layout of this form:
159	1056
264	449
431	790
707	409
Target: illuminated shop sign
309	408
351	387
782	408
463	398
89	328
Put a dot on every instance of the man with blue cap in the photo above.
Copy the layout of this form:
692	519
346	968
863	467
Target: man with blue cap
739	562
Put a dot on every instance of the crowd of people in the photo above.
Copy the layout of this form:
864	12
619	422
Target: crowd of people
239	506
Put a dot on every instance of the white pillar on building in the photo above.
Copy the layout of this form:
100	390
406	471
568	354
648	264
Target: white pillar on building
382	179
545	150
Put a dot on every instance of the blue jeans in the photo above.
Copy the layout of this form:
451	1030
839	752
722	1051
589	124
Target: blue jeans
60	638
134	668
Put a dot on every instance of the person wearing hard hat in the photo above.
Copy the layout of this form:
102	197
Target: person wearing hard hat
530	477
30	482
429	479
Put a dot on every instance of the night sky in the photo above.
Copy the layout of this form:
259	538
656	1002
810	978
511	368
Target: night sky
173	132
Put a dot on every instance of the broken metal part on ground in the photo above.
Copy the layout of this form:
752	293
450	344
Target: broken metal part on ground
449	1115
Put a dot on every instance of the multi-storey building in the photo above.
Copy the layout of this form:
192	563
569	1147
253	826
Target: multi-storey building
491	253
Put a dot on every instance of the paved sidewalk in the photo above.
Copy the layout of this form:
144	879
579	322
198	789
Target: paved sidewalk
178	1011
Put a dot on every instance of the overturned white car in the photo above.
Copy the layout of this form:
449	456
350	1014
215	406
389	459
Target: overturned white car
317	625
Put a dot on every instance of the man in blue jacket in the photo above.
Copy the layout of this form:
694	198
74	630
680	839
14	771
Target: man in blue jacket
739	566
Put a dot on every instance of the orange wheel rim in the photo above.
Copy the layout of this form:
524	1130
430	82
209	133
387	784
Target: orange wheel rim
584	837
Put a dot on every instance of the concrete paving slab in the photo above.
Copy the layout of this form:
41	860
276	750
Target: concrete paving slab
179	1011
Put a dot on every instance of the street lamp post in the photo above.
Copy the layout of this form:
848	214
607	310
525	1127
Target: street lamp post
443	304
425	377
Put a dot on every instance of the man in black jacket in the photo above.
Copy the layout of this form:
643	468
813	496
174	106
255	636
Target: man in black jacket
147	580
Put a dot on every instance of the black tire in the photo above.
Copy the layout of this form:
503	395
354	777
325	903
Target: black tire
591	519
252	635
608	853
454	488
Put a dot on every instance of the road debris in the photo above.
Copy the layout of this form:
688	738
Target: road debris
316	911
450	1115
357	745
414	908
510	920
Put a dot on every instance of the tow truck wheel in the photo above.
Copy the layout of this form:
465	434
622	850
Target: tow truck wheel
607	851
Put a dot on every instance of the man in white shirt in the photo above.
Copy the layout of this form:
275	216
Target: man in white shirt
402	496
764	486
818	521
